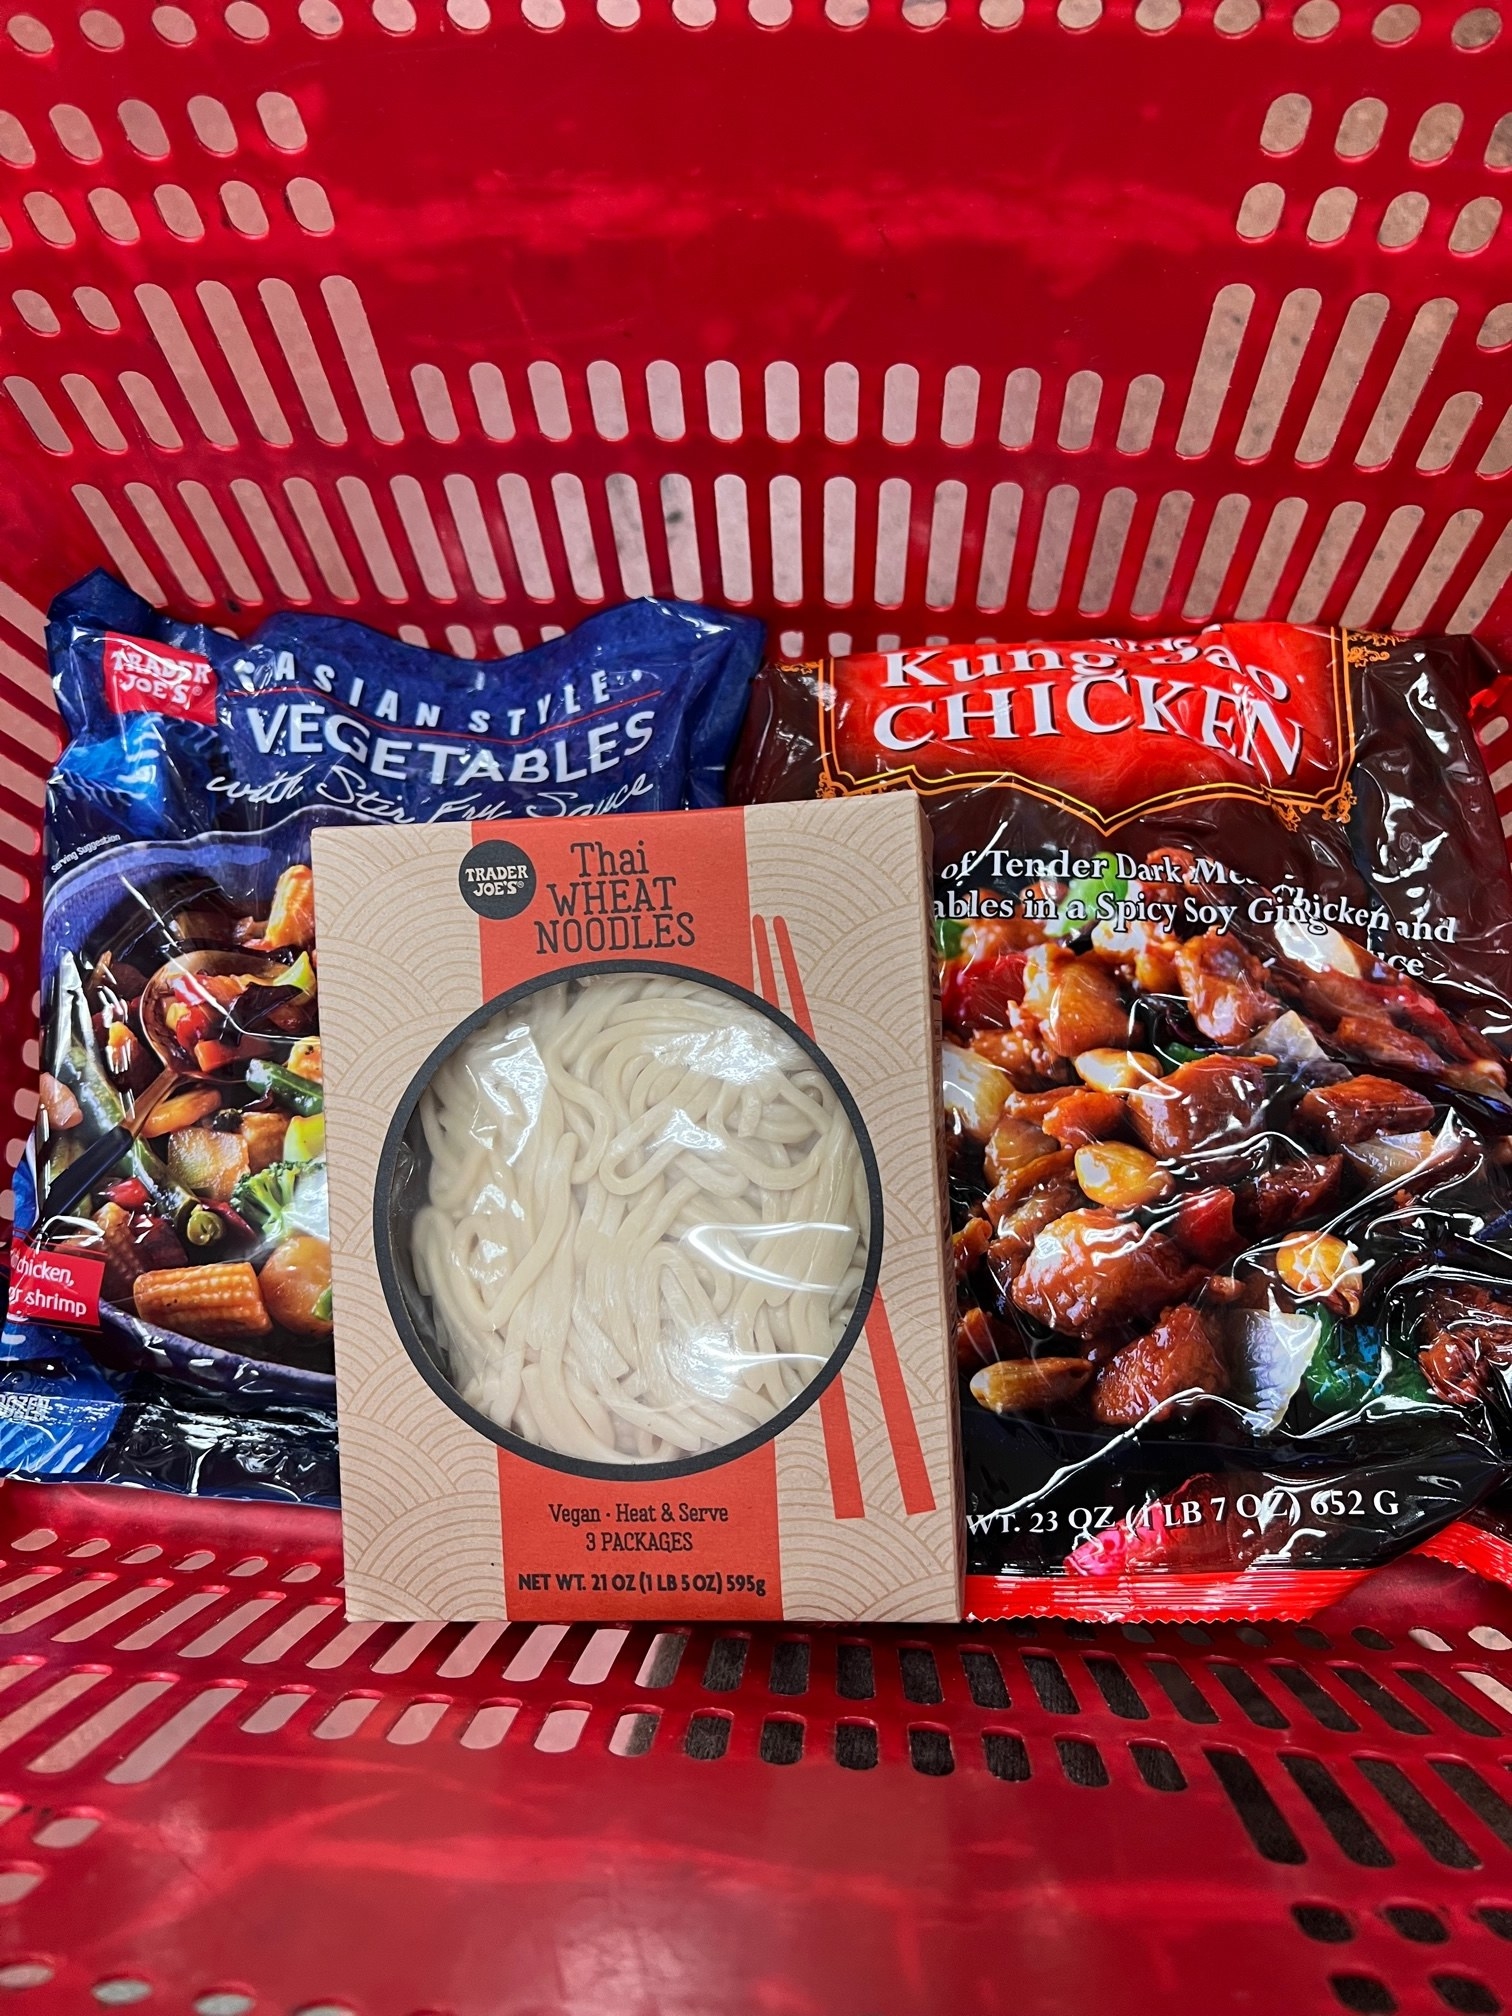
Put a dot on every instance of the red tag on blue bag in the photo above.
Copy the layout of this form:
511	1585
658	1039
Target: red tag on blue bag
52	1286
145	678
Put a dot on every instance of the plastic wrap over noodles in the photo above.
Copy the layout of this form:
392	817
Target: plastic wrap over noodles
638	1218
1224	927
172	1266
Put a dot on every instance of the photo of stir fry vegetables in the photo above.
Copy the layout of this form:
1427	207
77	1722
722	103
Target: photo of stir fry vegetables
181	1132
1196	1178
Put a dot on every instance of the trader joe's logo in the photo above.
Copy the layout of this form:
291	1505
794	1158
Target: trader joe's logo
152	679
1110	729
497	879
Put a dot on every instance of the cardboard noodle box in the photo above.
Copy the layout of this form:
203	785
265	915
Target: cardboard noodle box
844	1506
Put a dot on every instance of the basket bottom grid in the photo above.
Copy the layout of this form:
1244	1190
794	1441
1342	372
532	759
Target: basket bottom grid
218	1795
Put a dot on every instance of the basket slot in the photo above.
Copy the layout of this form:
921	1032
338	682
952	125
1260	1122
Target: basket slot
724	1669
61	1694
221	542
472	531
118	545
338	1650
1351	1831
263	522
221	1633
231	332
372	538
81	1742
1316	1699
168	1621
295	1627
164	1744
306	368
663	1658
596	1660
418	1722
69	1830
1416	1813
1158	1767
1493	1689
1262	1819
400	1655
1483	1800
1119	1694
489	1725
708	1737
358	346
420	530
276	1713
468	1654
60	1600
534	1655
347	1718
147	404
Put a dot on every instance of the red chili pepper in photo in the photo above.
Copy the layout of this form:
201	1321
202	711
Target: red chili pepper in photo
195	1025
977	993
128	1193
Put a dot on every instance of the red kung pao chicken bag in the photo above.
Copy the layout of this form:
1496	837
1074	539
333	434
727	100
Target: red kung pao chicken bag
1225	936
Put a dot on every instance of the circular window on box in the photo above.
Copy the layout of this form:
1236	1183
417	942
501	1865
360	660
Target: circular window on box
628	1220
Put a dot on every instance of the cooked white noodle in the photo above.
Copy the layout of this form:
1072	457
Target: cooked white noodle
647	1220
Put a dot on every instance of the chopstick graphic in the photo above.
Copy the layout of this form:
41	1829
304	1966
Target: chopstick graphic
840	1451
790	973
897	1412
892	1389
834	1414
897	1409
765	972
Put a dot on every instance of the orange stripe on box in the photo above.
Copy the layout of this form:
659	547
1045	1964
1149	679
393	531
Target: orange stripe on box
789	959
897	1408
840	1452
897	1413
834	1413
764	968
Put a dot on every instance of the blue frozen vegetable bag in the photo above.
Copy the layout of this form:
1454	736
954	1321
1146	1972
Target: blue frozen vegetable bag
170	1317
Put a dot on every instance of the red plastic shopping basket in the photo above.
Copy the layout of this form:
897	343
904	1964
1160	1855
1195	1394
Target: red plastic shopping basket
883	320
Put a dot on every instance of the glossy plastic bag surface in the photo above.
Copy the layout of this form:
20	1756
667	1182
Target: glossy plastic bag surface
171	1304
1224	929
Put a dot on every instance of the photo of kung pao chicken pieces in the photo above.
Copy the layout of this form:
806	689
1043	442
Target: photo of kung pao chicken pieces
181	1137
1176	1164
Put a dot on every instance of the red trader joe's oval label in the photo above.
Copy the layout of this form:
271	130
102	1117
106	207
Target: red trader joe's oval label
145	678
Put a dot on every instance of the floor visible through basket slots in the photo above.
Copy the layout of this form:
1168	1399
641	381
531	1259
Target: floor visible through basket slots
215	1793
